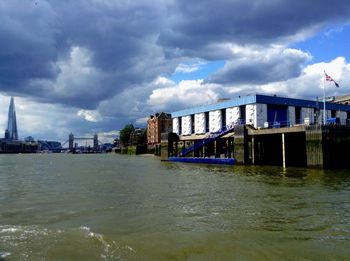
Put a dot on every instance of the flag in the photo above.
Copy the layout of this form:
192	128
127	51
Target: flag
330	79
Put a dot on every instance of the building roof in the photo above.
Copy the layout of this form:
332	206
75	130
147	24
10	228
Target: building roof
345	99
161	114
264	99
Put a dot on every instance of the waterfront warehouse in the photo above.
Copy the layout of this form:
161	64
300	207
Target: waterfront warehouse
261	129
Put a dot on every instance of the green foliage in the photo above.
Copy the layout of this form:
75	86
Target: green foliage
125	134
142	137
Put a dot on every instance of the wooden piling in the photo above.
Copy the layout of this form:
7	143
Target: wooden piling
314	146
241	145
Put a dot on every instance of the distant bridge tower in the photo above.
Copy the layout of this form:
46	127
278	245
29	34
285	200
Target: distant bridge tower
71	141
11	132
95	142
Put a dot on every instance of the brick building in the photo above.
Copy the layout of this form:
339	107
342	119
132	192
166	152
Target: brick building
157	124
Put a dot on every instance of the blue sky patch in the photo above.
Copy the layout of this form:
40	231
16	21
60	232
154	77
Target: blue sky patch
196	70
326	46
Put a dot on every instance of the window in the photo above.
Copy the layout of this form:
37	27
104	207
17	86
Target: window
207	121
192	123
223	118
180	125
242	114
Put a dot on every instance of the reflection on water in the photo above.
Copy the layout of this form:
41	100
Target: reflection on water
112	207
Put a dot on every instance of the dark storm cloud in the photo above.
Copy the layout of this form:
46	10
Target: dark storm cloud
81	53
263	67
27	45
38	40
198	24
116	31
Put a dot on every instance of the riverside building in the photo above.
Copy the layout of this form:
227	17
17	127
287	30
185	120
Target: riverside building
156	125
260	111
274	131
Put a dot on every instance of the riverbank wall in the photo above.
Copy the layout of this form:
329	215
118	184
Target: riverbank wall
17	146
315	146
132	150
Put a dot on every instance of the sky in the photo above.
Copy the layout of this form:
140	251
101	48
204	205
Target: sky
93	66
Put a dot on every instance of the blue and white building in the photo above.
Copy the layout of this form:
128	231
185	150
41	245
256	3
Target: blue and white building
260	111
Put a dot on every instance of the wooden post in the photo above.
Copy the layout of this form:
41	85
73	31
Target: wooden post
314	147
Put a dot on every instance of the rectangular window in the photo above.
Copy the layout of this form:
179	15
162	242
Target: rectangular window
223	117
207	121
180	125
242	114
192	123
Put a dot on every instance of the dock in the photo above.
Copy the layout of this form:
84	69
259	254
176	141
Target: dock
264	130
313	146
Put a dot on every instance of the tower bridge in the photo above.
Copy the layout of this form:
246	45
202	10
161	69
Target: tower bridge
72	146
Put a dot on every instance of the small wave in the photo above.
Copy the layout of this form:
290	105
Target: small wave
110	248
4	254
9	230
84	228
21	241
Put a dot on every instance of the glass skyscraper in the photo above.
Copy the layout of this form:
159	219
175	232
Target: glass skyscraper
11	132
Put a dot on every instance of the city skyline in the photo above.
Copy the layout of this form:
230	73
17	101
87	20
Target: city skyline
93	66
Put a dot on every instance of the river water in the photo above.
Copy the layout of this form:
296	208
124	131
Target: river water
114	207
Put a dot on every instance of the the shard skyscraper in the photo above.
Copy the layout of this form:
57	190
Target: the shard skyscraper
11	131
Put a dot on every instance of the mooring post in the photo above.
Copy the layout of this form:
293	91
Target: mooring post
283	151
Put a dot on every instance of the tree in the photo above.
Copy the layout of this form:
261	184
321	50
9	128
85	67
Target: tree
125	134
142	137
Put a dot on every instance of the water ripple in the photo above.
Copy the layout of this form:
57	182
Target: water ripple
111	207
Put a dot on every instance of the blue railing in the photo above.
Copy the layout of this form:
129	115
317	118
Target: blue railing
280	124
211	137
277	124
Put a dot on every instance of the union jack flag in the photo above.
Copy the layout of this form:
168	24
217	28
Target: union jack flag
330	79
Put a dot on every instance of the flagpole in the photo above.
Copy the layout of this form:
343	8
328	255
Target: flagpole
324	101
